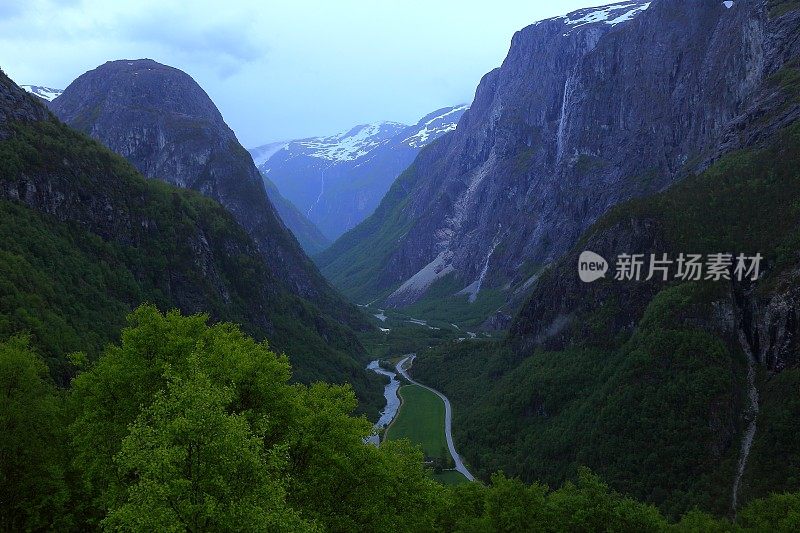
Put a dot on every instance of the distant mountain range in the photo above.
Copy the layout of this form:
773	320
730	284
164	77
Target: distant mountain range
338	181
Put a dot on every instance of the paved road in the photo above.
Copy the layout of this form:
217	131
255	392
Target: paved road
448	415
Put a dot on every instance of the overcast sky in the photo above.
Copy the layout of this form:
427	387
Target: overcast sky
281	69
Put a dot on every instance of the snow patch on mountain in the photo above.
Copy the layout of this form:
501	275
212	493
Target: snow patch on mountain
362	140
350	145
46	93
435	127
611	14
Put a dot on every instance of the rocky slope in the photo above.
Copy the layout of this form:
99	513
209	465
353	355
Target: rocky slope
159	119
338	181
85	238
678	391
586	111
681	392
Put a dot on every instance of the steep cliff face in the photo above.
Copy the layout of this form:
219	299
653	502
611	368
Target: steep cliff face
682	392
338	181
587	110
308	235
159	119
84	238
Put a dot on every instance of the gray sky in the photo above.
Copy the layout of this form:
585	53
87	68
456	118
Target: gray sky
281	69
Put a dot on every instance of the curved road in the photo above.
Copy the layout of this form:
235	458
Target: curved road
448	417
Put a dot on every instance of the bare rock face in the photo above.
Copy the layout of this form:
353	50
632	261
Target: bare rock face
16	107
163	122
587	110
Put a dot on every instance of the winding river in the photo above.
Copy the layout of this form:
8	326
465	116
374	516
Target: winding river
392	401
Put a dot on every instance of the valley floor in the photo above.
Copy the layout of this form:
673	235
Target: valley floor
425	418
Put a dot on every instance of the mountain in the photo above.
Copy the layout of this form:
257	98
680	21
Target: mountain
163	122
262	153
85	238
586	111
45	93
308	235
337	181
681	392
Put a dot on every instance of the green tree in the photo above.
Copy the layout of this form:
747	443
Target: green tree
777	512
32	486
193	466
156	349
124	433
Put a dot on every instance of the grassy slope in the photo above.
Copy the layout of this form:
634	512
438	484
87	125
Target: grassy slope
653	415
70	287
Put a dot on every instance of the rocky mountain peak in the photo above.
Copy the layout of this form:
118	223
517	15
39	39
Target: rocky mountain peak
16	107
165	124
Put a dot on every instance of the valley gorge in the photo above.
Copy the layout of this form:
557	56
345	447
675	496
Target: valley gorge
586	111
527	311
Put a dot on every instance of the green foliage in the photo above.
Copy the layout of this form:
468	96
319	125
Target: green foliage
774	463
509	505
443	303
665	398
176	386
185	426
403	338
33	491
778	512
194	466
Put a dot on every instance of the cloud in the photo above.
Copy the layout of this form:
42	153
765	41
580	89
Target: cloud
216	39
226	41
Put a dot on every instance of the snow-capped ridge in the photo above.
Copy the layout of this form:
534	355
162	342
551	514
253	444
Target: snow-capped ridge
435	125
611	14
46	93
350	145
